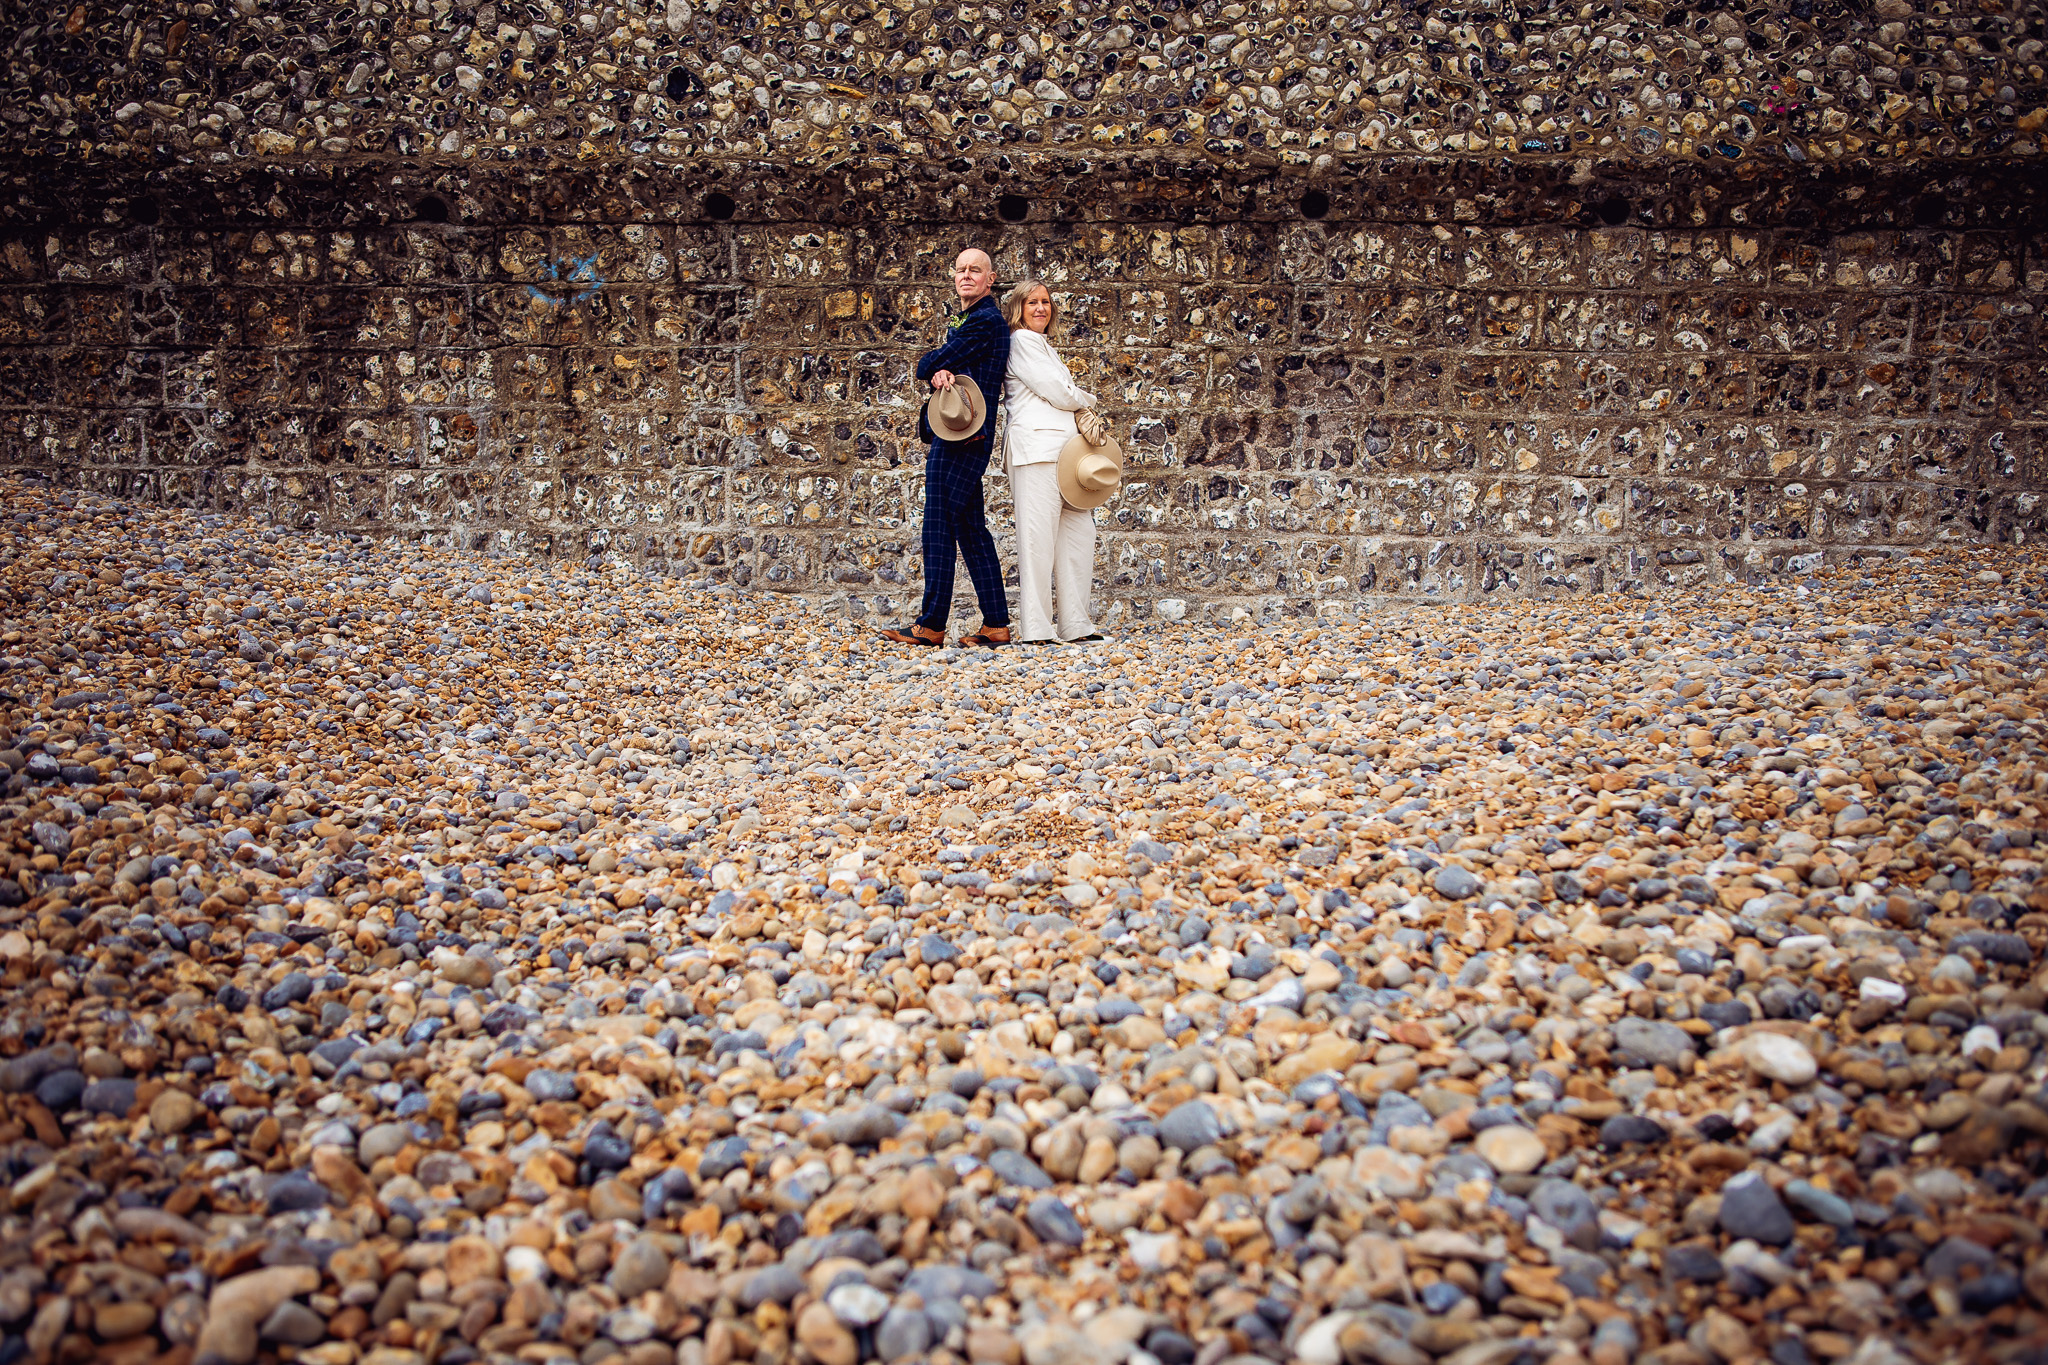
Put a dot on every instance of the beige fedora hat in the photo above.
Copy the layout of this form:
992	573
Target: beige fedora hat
957	411
1090	470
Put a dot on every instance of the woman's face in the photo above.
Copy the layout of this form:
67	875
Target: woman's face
1038	310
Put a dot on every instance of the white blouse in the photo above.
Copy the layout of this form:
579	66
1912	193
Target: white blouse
1041	398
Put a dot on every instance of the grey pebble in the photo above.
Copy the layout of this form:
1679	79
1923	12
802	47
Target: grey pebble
1751	1208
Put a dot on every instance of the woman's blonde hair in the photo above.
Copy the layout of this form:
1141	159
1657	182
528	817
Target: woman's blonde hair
1013	304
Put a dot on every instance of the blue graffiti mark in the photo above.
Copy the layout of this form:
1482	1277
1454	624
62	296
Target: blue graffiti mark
580	272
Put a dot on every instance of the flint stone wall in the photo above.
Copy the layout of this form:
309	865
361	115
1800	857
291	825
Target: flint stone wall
1385	301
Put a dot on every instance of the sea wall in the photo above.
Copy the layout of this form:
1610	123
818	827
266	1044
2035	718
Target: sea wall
1385	301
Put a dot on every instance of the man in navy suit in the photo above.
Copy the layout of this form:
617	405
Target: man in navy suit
977	345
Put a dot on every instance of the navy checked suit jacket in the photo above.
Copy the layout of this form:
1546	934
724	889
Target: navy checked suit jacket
980	349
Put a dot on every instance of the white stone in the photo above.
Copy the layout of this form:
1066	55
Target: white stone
1875	988
1153	1252
1170	609
1747	1256
1941	1186
1318	1345
1771	1137
628	1325
857	1305
523	1264
1109	1097
1956	969
1112	1217
1779	1058
1980	1043
1510	1149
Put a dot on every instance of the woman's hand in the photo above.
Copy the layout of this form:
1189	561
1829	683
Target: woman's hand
942	379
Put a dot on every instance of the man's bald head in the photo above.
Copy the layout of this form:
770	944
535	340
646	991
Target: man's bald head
974	275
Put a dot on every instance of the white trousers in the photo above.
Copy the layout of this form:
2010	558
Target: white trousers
1053	541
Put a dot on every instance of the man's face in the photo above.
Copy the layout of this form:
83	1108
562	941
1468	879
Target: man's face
973	276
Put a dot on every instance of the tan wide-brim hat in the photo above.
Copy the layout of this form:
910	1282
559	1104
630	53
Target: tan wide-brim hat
957	411
1090	473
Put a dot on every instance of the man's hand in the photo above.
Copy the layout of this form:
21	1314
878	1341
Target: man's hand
942	379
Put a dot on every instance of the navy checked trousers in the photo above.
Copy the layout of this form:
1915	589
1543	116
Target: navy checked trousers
956	521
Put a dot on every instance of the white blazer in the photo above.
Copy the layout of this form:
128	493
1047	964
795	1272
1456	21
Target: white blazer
1041	398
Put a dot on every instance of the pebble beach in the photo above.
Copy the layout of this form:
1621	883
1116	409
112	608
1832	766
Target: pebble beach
413	956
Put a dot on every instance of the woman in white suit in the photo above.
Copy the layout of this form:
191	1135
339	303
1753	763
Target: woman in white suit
1054	541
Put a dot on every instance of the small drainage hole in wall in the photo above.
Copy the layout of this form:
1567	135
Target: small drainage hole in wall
432	209
1315	204
718	206
1013	208
1613	210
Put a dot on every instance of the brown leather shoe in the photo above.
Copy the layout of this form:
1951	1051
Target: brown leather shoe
915	635
990	637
